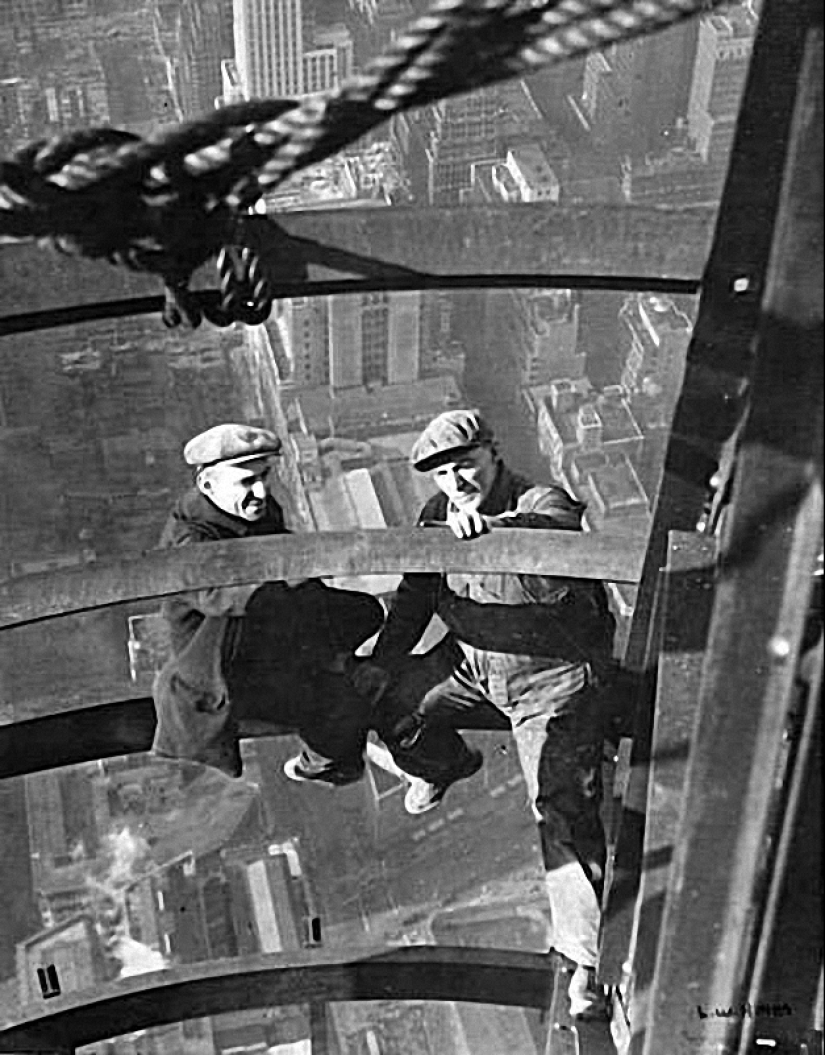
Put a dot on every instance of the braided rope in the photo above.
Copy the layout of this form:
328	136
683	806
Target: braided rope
168	203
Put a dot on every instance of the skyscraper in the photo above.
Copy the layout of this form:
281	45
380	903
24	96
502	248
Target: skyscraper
279	53
655	335
269	47
374	338
722	54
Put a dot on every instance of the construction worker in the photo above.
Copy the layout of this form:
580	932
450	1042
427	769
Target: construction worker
278	653
528	646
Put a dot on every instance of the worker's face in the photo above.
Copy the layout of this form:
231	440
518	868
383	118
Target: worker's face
240	490
469	479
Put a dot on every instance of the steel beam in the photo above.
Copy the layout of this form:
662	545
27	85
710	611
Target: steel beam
339	250
768	553
615	557
687	597
788	963
85	734
479	976
719	363
524	241
54	732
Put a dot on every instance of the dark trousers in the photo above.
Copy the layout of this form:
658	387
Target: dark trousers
560	744
280	671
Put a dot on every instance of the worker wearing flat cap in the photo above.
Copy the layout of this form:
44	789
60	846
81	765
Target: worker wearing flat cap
275	653
530	647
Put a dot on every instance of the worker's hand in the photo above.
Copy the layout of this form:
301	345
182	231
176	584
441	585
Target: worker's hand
370	679
465	523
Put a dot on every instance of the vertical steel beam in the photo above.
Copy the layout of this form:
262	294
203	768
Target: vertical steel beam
319	1028
686	598
718	368
769	550
786	982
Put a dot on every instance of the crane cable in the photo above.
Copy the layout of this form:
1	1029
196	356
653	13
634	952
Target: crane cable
168	203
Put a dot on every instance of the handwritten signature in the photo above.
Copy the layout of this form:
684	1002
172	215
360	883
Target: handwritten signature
746	1010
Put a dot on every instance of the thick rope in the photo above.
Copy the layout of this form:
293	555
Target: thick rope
169	203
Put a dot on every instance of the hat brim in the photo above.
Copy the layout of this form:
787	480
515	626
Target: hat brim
432	461
241	459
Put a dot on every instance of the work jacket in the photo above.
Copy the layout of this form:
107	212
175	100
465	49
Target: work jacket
195	519
521	620
194	712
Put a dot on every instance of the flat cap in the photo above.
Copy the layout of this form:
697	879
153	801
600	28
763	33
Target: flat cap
232	444
451	433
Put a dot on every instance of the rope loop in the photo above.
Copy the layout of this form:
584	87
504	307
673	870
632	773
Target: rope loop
171	202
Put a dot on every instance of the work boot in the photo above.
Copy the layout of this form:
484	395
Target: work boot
335	776
588	1000
423	796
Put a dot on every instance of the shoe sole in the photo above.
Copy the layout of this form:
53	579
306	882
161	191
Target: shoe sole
299	778
478	762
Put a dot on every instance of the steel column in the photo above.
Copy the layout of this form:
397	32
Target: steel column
686	599
768	555
719	364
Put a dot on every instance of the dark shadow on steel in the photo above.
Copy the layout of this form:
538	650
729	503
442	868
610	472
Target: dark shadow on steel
62	737
397	248
479	976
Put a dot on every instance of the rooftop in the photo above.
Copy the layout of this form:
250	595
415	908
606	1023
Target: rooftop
369	411
618	422
654	317
615	482
609	409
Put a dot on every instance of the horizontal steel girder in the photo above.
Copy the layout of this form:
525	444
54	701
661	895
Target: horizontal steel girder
487	976
332	250
611	556
527	240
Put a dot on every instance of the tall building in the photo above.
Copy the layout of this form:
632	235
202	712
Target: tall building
404	337
439	143
621	110
574	421
545	325
666	61
374	338
304	327
269	47
655	335
464	130
279	52
196	55
722	54
603	106
330	60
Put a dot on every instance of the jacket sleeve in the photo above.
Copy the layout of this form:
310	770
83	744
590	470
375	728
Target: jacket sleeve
543	507
411	610
415	601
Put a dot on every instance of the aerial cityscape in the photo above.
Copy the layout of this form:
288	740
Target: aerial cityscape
133	864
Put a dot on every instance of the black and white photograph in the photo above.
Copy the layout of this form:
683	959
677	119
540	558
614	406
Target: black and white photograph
411	527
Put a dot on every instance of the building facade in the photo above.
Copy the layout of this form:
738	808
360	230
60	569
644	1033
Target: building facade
723	51
279	52
545	327
655	335
374	338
